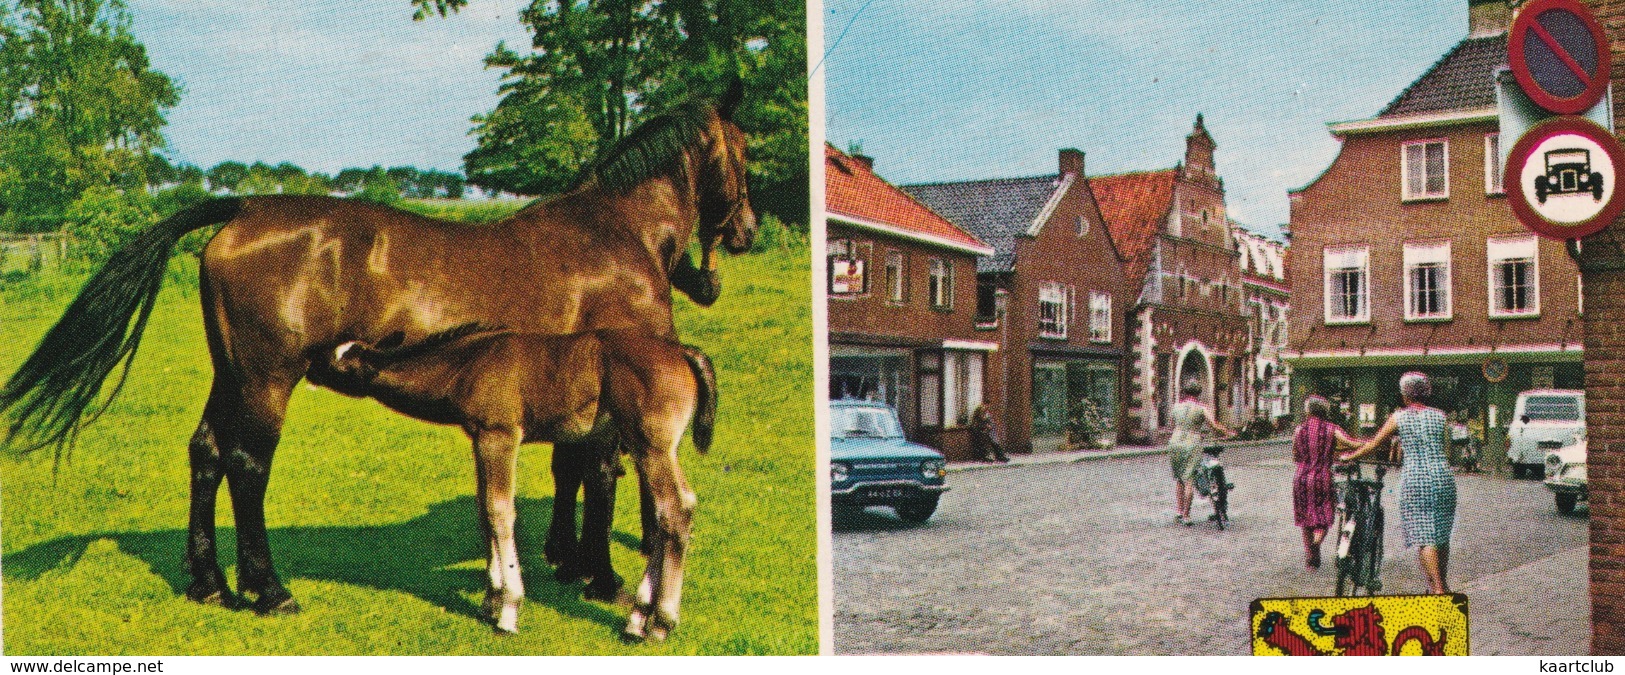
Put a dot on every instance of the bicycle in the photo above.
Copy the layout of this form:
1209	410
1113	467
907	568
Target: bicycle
1211	485
1359	529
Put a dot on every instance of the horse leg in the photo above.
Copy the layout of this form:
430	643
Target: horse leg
654	613
601	467
248	471
496	452
208	581
561	549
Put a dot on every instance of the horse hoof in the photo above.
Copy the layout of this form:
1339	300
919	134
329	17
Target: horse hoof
568	574
634	630
658	633
284	607
507	620
225	599
605	589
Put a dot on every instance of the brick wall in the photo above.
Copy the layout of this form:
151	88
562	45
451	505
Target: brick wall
1342	208
1605	394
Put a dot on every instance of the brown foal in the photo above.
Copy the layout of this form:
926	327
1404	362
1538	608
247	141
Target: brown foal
505	388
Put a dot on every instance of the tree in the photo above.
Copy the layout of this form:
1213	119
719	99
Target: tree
81	107
599	67
225	176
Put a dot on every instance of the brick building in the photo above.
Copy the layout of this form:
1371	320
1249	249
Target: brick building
1266	297
1604	270
1185	320
1407	257
1051	293
902	305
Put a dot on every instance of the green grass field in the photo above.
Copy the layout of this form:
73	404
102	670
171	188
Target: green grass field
372	516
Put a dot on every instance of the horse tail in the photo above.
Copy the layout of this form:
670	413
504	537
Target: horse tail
705	414
48	395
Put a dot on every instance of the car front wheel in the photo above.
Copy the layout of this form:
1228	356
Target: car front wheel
1565	502
918	512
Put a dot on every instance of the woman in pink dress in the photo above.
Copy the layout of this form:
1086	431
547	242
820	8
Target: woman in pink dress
1314	499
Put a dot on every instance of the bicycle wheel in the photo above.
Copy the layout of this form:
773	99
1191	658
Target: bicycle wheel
1344	543
1374	583
1221	498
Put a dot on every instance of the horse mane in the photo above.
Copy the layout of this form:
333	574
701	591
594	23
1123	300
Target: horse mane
652	149
390	348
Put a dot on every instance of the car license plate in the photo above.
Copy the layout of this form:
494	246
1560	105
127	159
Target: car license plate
887	493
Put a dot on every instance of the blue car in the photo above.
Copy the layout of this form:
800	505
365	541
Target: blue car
871	464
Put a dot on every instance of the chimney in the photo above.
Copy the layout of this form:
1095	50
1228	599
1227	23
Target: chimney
1072	162
1487	17
867	161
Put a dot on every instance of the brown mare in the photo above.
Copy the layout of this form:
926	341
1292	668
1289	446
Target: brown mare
505	388
286	274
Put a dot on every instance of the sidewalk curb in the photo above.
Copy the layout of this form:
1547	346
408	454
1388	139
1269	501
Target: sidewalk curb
1080	456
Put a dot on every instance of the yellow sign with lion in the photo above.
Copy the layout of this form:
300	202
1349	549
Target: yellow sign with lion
1389	625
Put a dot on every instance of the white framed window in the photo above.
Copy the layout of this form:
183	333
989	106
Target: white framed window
1427	281
1054	306
1347	284
1083	225
1579	295
846	269
1514	275
896	271
1425	169
1100	316
1492	165
942	283
930	365
950	387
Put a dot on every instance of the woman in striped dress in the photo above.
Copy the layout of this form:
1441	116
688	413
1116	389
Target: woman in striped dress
1427	489
1314	497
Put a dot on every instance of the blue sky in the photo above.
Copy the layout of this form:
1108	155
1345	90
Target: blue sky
325	85
964	90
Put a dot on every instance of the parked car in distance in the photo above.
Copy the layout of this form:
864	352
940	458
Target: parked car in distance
1566	475
871	464
1551	418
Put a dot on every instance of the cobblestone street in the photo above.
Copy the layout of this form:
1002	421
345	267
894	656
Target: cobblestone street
1085	558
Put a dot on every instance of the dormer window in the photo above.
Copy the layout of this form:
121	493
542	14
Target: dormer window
1083	225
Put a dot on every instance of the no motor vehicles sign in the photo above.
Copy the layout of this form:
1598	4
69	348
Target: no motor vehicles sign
1562	178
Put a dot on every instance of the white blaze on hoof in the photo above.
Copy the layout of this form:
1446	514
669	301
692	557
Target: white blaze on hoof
634	631
508	620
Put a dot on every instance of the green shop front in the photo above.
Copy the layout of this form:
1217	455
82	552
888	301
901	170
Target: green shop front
1074	397
1478	389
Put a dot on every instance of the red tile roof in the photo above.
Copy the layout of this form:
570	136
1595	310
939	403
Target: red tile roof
1135	206
852	189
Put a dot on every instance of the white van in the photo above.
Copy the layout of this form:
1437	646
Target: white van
1545	419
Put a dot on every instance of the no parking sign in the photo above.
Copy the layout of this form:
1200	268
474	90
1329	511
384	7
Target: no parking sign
1562	178
1559	54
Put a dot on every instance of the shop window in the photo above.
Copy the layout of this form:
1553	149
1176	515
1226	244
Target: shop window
1514	276
1427	281
950	387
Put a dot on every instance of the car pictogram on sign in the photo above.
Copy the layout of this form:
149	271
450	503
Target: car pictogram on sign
1568	171
1562	178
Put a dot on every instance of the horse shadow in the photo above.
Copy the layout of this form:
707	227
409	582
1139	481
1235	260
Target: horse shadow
427	557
